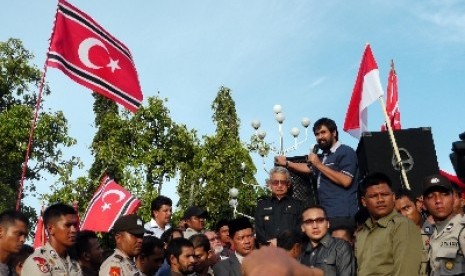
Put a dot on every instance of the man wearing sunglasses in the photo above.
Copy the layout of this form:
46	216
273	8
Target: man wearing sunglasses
334	256
279	212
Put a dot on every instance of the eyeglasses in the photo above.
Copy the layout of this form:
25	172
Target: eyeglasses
279	181
315	220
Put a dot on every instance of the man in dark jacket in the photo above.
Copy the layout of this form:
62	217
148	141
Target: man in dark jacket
334	256
243	241
278	213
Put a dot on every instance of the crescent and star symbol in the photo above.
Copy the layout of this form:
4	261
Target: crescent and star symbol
107	205
84	49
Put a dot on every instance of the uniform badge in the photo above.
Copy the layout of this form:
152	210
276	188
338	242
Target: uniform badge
54	254
449	226
42	264
266	218
449	265
115	271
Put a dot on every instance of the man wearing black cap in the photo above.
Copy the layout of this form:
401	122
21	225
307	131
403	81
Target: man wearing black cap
448	239
243	240
129	231
194	218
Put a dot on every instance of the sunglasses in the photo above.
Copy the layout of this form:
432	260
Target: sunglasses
316	220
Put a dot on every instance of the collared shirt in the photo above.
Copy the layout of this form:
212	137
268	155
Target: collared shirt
273	216
334	256
239	257
153	227
119	263
337	200
426	231
447	247
190	232
389	246
45	261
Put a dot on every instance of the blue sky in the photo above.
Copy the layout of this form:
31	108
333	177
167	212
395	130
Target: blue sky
301	54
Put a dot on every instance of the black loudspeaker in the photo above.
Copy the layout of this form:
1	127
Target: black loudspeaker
303	186
416	147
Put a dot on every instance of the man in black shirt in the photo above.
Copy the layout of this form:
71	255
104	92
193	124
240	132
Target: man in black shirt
278	213
334	256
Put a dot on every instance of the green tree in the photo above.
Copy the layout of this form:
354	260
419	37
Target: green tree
139	151
19	80
221	163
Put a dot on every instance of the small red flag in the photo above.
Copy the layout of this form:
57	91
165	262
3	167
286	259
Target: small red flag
40	236
392	100
92	57
109	203
367	90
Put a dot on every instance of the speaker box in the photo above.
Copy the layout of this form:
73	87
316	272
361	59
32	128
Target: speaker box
416	147
303	186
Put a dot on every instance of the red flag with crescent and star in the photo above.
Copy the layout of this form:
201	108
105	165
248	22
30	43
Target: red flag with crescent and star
109	203
92	57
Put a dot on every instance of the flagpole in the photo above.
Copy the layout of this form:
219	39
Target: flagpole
394	143
34	120
31	138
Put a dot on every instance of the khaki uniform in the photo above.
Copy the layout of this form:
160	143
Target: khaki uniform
446	252
426	232
45	261
119	264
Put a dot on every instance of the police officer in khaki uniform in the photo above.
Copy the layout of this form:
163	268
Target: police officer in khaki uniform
53	258
129	232
447	243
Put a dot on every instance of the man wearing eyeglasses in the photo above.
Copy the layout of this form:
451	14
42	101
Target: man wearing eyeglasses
334	256
279	212
388	243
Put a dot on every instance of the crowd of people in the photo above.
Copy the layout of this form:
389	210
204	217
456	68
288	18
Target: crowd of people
360	227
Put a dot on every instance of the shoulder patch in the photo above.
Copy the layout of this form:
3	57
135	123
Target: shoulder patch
114	271
42	264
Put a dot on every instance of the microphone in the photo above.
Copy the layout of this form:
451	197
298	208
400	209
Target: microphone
315	149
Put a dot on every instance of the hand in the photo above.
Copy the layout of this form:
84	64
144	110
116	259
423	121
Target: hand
280	160
313	159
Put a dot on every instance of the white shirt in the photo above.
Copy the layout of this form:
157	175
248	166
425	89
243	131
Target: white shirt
153	227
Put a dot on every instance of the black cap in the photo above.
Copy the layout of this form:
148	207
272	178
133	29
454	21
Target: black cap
434	181
195	211
129	223
238	225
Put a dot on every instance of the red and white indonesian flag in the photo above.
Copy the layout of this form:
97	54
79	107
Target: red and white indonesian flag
109	203
92	57
367	90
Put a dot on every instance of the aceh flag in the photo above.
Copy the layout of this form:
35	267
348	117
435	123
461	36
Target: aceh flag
92	57
109	203
367	90
392	100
